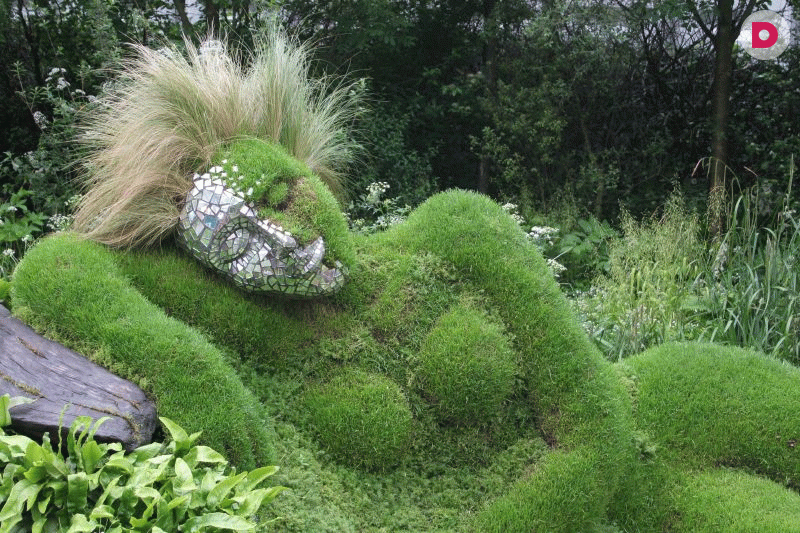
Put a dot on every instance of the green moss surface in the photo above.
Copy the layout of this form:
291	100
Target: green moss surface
361	418
527	429
467	366
709	405
286	192
729	501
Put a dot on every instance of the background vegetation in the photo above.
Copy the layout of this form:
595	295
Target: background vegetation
593	123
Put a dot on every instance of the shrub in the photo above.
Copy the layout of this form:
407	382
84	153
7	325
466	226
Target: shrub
362	419
467	367
711	405
177	486
73	289
647	298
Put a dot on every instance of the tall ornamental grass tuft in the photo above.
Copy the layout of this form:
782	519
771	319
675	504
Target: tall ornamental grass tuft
752	294
169	113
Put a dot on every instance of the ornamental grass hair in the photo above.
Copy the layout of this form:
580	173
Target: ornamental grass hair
168	114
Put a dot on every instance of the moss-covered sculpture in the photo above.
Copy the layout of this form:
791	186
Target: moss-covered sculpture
446	386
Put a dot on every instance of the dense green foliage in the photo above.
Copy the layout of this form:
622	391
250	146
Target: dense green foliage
157	487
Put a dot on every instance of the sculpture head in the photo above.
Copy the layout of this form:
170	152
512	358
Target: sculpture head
261	218
273	224
223	232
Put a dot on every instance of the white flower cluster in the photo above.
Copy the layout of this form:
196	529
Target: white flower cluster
56	75
375	190
543	234
555	267
8	252
40	120
59	222
511	209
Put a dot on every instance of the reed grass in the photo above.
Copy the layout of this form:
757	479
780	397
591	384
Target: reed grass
169	113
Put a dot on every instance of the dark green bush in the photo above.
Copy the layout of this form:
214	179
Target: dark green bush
362	419
467	367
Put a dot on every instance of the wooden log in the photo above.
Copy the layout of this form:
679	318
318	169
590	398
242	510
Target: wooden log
56	377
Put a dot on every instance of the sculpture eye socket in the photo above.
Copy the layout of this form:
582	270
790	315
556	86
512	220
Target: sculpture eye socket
233	244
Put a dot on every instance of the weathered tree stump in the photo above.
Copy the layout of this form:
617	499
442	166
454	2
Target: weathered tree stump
56	377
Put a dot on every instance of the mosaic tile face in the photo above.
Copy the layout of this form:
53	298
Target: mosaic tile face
219	229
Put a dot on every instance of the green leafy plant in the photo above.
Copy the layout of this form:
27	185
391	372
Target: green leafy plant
156	488
371	212
648	296
751	292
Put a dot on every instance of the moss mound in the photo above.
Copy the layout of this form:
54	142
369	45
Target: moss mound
361	418
286	192
729	501
467	367
72	289
709	405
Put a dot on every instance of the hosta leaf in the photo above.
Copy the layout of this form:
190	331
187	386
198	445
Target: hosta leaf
204	454
14	445
102	512
255	477
22	492
77	492
218	520
222	489
80	524
91	453
184	481
251	502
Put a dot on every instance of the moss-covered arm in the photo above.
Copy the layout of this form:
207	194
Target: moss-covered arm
73	288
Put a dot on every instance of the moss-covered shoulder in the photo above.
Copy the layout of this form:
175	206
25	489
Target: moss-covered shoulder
74	288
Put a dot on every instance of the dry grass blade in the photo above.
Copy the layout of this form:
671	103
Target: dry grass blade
170	113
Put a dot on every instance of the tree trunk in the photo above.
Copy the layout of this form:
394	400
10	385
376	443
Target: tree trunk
490	62
723	69
186	24
65	385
